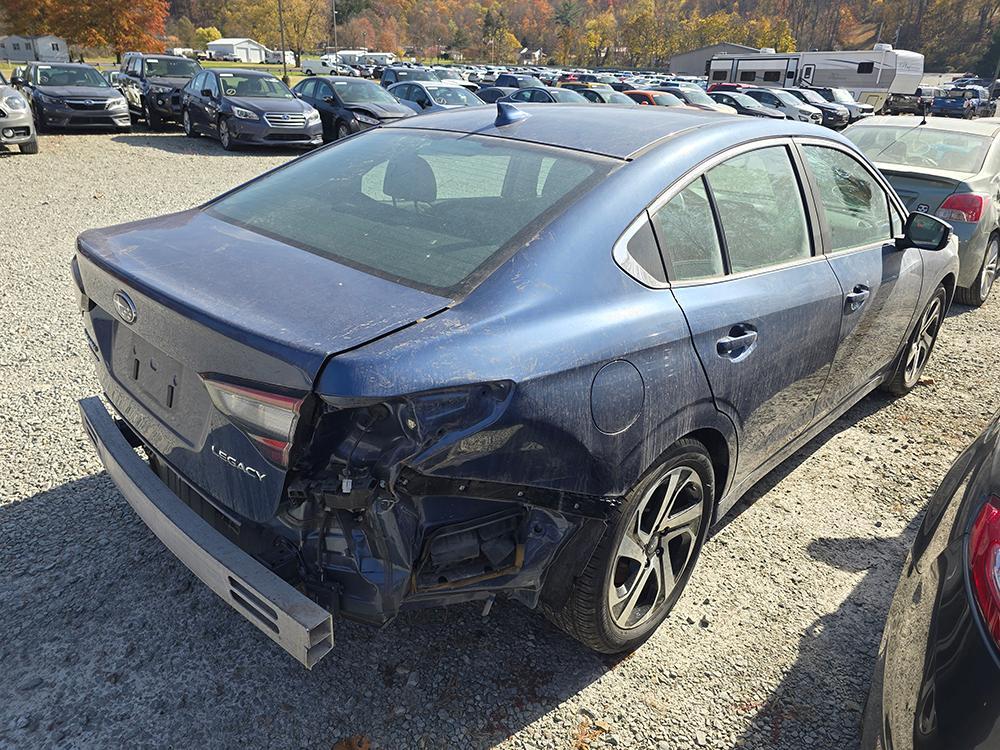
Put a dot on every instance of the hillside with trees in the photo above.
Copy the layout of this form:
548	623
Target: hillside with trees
953	34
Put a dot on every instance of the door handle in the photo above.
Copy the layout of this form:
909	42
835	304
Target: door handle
738	344
856	298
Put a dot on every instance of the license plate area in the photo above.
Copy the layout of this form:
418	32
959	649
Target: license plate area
144	369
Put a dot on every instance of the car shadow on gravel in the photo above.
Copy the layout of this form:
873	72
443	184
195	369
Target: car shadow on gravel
109	641
178	143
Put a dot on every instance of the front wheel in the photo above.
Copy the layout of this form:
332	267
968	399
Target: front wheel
152	117
976	294
30	147
189	130
919	346
225	136
647	553
342	131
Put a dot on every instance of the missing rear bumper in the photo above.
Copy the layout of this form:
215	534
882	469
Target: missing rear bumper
294	622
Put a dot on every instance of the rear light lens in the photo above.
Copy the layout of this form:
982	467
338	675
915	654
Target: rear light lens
963	207
984	561
267	418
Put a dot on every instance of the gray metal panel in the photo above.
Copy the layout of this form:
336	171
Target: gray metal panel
297	624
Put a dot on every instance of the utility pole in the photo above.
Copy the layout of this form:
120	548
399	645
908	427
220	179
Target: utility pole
281	29
336	47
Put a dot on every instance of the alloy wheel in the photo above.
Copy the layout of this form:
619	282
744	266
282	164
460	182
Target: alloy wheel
187	123
923	341
224	136
657	547
990	264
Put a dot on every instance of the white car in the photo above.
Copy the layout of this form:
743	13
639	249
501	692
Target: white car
434	96
793	107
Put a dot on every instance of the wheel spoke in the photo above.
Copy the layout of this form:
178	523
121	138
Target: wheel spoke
683	518
632	597
631	548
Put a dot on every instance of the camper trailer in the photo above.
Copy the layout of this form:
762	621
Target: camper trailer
870	75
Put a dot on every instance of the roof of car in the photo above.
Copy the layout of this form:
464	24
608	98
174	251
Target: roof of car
618	132
983	126
243	72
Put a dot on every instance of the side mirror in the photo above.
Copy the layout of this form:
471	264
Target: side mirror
328	99
206	93
924	232
16	81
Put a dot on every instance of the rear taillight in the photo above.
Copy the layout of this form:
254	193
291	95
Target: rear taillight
984	561
963	207
267	418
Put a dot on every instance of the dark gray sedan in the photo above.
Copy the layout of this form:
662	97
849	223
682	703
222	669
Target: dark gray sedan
72	95
950	168
248	107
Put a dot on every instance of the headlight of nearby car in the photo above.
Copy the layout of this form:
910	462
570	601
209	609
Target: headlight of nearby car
46	99
15	103
160	89
117	103
312	116
245	114
366	119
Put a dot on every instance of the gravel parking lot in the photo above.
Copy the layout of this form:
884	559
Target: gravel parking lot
108	641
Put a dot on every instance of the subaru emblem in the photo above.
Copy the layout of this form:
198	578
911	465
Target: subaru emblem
88	102
125	307
284	117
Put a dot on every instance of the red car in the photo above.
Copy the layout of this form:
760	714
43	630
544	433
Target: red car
655	98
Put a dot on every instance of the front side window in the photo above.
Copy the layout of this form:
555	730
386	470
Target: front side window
760	208
685	228
432	210
856	206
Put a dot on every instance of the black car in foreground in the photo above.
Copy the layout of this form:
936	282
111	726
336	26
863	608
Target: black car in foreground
937	679
349	105
248	107
153	85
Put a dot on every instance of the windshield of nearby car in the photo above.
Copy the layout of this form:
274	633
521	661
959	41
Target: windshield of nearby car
785	98
254	86
433	210
528	81
667	100
811	96
617	98
744	101
918	146
362	92
447	75
697	96
453	95
69	75
409	74
566	95
842	96
172	67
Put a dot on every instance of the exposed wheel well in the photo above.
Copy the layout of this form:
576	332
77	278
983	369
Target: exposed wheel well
718	450
949	286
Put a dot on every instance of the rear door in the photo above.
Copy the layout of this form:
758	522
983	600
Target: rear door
763	306
881	284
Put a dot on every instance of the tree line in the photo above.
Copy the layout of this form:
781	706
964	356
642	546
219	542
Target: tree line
960	35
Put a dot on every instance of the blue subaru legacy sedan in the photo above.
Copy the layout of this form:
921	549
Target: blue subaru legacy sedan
526	352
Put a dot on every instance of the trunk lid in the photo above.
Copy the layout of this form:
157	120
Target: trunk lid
922	188
213	300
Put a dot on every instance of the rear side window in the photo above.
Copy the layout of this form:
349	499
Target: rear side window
685	228
856	206
432	210
760	208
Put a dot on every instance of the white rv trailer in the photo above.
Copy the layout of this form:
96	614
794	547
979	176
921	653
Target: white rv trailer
870	75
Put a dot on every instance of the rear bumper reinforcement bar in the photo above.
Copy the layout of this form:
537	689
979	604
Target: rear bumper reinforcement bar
282	613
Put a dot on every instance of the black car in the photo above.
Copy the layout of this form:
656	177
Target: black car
348	105
835	116
937	678
152	85
607	96
248	107
491	93
71	95
517	81
545	95
398	73
745	105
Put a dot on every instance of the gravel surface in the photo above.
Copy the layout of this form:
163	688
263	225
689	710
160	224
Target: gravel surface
106	640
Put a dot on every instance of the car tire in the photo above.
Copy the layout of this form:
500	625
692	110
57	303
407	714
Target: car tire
188	126
152	118
308	72
919	345
38	114
646	555
31	147
225	136
342	131
976	295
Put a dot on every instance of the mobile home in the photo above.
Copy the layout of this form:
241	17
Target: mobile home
870	75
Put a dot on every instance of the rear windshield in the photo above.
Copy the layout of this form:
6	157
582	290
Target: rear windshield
177	67
436	211
917	146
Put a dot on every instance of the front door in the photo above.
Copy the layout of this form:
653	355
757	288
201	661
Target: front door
762	305
881	284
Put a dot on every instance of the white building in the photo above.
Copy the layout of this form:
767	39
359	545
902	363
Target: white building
240	50
44	47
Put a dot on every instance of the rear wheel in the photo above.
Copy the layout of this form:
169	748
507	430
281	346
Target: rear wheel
919	346
646	555
976	294
31	147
